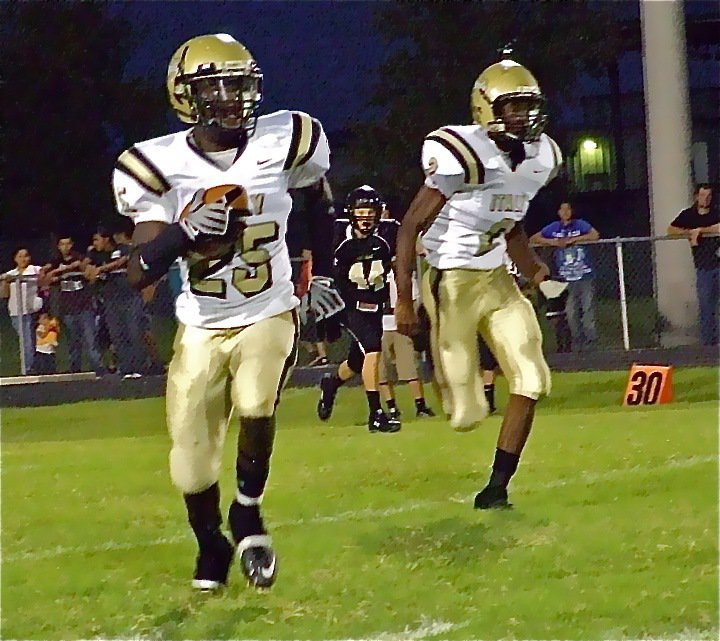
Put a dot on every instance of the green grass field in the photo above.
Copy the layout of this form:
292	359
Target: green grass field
613	534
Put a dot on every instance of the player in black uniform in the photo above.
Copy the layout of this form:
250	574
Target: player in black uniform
361	267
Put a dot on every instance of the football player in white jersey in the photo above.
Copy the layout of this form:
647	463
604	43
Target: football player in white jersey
216	196
479	182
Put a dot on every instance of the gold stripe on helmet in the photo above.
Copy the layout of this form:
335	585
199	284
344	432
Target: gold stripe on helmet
137	166
305	135
463	153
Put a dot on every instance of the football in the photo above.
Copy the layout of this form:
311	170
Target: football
234	198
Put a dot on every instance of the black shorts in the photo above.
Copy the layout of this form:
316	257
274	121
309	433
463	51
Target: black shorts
365	329
487	359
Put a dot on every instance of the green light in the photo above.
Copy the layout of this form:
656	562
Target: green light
589	145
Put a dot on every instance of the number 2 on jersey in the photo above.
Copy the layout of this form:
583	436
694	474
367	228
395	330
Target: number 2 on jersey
487	238
249	281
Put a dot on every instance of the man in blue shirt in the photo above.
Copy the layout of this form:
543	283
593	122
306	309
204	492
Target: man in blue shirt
572	265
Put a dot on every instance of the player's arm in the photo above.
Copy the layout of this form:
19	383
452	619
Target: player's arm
423	210
156	246
450	164
141	193
524	257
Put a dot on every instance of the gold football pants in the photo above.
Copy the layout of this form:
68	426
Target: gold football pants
212	372
463	303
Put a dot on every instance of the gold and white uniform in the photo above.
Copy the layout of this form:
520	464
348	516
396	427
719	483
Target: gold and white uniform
237	334
468	289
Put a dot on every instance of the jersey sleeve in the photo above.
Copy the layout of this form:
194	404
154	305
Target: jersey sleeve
140	189
450	163
557	160
308	157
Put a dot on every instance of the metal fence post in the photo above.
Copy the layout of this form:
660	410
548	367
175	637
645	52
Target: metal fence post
623	298
21	322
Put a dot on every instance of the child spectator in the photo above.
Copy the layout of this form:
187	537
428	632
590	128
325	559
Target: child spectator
46	341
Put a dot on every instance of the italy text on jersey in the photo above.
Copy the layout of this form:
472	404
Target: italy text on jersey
486	194
156	179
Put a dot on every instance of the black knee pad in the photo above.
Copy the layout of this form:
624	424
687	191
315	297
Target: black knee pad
255	443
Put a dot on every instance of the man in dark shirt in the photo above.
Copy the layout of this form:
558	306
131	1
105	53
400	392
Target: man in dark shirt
361	267
695	223
123	305
75	305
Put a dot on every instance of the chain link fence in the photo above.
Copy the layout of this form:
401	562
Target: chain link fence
87	326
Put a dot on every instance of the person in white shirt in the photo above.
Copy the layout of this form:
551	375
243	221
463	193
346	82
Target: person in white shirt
21	284
398	353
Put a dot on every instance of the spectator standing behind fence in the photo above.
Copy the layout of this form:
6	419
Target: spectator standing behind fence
572	265
21	285
46	335
75	305
123	305
694	223
153	363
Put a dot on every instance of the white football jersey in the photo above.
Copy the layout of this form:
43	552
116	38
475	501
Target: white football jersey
486	195
156	179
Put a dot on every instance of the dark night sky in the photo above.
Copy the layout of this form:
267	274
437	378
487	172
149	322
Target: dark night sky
322	56
318	57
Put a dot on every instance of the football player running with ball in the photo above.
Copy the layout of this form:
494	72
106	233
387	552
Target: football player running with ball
216	197
362	264
480	179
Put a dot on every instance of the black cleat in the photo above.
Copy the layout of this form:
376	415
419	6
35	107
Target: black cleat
394	414
424	411
492	496
257	560
327	397
379	422
212	566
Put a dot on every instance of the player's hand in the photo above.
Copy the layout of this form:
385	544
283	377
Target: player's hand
406	318
204	218
542	273
694	236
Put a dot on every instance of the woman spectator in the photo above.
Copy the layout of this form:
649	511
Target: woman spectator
21	285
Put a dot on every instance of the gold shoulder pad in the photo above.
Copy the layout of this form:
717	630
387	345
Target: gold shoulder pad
463	153
304	140
136	165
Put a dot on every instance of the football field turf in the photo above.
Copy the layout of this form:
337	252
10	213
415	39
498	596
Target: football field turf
613	533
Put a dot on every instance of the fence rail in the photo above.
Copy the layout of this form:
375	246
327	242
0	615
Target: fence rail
624	311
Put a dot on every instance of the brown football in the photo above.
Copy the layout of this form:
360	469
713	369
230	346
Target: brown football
235	197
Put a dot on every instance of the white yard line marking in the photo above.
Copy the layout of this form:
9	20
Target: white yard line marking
357	515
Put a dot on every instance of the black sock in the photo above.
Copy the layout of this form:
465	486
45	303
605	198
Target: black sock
503	468
420	404
490	395
373	401
203	510
391	404
337	382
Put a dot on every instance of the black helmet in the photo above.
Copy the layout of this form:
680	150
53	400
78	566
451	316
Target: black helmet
364	207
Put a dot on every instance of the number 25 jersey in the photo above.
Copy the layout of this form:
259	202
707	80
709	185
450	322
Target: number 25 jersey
156	180
487	193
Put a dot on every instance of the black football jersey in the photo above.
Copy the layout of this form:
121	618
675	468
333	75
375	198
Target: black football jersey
361	268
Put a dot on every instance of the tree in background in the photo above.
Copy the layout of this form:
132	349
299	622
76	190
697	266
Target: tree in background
67	112
436	50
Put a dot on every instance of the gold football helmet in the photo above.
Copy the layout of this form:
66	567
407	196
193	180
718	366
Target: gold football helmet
214	80
507	101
